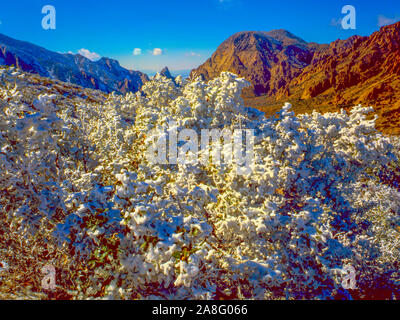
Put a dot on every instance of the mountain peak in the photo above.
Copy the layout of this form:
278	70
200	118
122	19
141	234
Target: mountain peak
279	36
110	63
166	73
285	36
267	59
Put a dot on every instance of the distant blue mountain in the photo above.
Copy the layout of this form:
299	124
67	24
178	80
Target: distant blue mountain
185	73
105	74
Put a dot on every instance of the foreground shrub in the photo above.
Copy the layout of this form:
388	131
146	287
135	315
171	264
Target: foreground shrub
321	195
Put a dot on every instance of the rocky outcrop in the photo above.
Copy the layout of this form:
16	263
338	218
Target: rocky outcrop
166	73
105	74
269	60
282	67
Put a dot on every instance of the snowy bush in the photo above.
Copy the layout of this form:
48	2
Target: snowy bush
323	193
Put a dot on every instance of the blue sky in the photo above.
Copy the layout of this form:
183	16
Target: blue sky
180	33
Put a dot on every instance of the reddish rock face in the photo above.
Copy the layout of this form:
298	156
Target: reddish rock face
282	67
351	62
269	60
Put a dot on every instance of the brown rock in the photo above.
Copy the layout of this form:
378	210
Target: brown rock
282	67
269	60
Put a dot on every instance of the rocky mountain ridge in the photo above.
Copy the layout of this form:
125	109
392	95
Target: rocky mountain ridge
284	68
105	74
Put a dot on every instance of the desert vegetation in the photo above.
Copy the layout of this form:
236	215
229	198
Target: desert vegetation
78	193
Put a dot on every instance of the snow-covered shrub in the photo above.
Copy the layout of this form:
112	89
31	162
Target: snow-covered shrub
322	194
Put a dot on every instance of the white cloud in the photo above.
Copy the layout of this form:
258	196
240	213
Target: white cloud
90	55
137	52
193	54
157	52
384	21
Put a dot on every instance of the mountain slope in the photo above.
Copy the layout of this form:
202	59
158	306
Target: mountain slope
359	70
269	60
325	78
106	74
